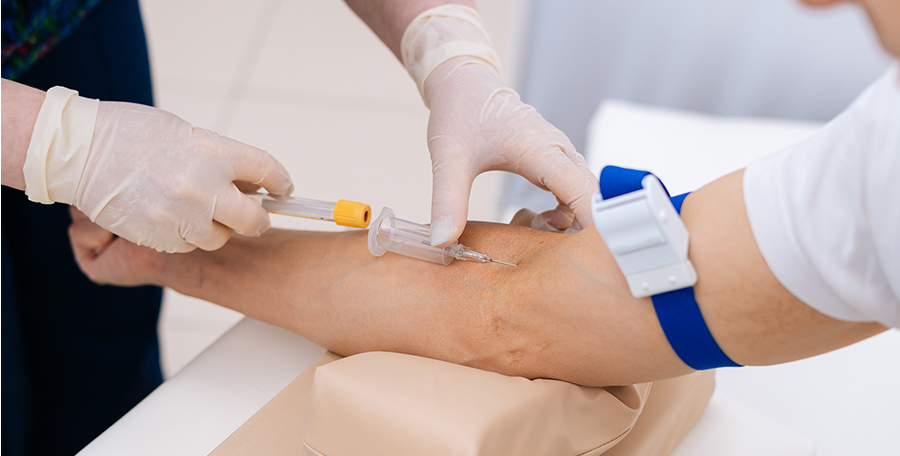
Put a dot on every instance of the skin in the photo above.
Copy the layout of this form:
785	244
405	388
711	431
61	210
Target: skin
21	105
884	15
565	312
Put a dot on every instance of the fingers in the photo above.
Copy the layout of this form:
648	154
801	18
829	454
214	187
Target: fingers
108	259
559	218
210	237
241	213
246	187
556	220
449	202
570	180
77	216
257	167
252	168
88	241
523	218
233	211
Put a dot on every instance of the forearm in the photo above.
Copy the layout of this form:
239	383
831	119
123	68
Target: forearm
21	105
330	289
389	18
552	316
564	312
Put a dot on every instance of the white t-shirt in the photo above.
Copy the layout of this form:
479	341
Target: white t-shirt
826	212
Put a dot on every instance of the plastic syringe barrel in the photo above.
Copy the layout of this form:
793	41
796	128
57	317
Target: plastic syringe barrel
391	234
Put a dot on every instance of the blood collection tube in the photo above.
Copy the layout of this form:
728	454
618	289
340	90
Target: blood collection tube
343	212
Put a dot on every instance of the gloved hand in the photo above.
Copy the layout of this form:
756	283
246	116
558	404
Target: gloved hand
479	124
530	219
147	175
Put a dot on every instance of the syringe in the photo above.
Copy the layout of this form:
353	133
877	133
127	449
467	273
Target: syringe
391	234
343	212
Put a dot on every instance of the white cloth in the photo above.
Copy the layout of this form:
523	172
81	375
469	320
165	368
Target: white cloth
826	212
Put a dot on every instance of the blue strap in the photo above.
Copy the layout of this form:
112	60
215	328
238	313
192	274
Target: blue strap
677	310
686	330
616	181
678	200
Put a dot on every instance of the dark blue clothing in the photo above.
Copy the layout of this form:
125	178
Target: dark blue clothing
76	356
31	28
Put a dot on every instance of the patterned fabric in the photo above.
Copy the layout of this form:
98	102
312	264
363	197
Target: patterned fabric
31	28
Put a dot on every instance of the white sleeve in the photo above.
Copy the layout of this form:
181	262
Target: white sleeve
826	212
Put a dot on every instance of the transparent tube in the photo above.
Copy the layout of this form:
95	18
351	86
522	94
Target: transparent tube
343	212
299	207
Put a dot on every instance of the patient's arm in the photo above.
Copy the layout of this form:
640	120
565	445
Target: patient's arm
565	312
552	316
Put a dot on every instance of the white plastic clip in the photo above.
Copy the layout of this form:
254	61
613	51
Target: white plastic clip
646	237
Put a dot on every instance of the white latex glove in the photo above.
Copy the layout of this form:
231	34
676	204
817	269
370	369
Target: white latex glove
527	217
479	124
147	175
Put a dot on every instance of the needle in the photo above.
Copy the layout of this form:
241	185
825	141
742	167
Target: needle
461	252
501	262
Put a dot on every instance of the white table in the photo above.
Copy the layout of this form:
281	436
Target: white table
195	410
198	408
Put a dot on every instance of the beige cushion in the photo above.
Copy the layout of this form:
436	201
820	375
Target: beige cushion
384	403
393	404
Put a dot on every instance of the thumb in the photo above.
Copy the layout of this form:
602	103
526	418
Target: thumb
449	202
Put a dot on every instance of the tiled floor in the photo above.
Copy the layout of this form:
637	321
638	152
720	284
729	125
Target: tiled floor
307	81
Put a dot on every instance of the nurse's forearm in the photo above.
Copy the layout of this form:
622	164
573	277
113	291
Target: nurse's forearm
21	105
389	18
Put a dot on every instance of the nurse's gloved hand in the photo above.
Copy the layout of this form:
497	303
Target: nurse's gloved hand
479	124
147	175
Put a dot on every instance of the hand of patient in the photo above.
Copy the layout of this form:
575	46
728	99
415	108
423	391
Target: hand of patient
110	260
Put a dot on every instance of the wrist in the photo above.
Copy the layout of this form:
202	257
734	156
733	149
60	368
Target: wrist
182	272
441	34
60	146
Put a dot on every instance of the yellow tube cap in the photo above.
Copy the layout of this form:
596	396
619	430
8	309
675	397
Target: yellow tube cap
352	214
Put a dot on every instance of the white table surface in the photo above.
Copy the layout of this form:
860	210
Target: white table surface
192	412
